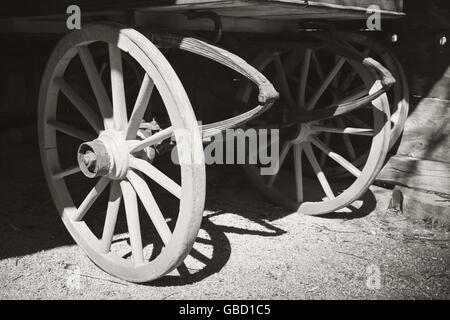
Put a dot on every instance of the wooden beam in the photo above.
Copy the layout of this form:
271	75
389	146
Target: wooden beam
177	21
418	174
33	26
426	134
425	206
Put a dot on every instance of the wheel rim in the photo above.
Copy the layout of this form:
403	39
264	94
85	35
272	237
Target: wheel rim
123	172
379	144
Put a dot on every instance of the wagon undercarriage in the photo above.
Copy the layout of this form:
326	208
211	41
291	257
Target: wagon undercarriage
113	112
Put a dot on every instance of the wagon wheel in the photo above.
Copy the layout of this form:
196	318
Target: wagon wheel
110	154
398	96
304	84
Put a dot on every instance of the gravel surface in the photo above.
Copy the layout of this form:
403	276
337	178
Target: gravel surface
252	249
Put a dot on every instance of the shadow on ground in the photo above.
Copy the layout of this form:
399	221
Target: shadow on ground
30	223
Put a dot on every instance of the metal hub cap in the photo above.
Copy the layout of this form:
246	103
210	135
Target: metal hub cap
108	155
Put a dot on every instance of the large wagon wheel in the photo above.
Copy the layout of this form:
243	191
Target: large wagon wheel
110	154
398	96
293	73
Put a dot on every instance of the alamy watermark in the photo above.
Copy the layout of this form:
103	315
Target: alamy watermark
73	21
373	22
233	146
373	281
73	280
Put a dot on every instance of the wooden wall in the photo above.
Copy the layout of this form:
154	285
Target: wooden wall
422	160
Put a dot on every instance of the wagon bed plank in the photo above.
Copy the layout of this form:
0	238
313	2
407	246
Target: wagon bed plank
267	9
284	9
426	175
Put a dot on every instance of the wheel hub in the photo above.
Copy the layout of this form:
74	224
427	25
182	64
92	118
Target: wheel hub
303	133
108	155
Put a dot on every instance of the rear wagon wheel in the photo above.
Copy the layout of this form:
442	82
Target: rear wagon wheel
301	182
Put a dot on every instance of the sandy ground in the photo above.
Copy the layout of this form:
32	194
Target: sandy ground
254	250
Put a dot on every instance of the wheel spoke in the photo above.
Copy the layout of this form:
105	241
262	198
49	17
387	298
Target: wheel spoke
292	60
140	106
284	151
90	199
97	86
326	82
151	206
135	145
66	172
70	130
298	171
282	79
347	142
156	175
318	171
347	130
335	82
134	227
115	196
80	104
336	157
303	79
117	88
318	68
323	156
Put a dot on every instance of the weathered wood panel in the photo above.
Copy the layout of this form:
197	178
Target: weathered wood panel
177	22
425	206
417	173
285	9
427	131
27	8
386	6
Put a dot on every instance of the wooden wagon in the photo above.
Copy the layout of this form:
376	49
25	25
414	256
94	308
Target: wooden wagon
112	107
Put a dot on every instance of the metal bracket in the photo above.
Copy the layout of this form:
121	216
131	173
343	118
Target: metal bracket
218	28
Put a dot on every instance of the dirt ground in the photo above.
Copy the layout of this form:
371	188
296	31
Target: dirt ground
254	250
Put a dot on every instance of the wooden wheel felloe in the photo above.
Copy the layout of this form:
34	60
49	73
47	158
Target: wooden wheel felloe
113	157
307	82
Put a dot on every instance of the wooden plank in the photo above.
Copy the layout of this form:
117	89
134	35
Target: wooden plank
57	9
386	7
425	206
426	134
417	173
33	26
177	21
